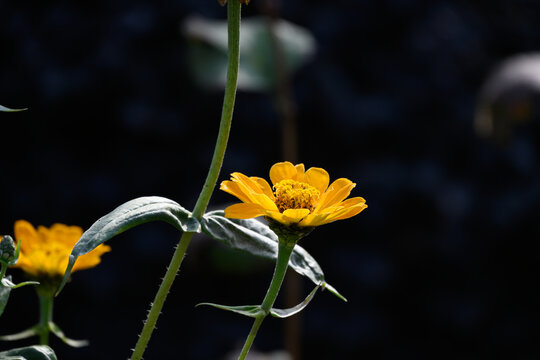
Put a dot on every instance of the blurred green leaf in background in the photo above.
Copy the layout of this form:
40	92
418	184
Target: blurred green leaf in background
208	51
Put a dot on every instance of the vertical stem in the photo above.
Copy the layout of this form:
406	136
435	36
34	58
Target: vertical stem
233	14
161	296
284	253
45	316
3	270
284	95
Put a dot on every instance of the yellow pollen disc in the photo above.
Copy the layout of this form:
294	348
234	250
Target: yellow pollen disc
292	194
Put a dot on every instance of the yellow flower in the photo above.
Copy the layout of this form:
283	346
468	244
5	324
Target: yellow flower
297	197
44	252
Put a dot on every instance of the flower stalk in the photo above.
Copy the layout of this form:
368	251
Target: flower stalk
45	316
233	15
285	249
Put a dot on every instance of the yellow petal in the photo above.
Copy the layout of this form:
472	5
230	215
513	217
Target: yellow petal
244	211
300	170
265	187
91	259
25	264
45	251
279	217
251	185
318	178
247	185
351	202
314	220
295	215
43	234
25	232
232	188
337	192
67	235
282	171
346	213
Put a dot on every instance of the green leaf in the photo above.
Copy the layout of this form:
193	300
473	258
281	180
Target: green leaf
17	252
36	352
60	334
283	313
4	294
256	238
333	291
5	109
126	216
25	334
257	72
246	310
9	284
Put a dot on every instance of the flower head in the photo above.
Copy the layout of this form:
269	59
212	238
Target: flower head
297	198
45	251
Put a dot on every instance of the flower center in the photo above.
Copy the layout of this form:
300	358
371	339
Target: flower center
292	194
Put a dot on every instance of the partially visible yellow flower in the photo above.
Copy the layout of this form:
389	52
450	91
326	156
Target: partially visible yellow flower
297	197
45	251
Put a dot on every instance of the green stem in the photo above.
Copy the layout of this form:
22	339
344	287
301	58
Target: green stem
284	253
233	13
45	316
161	295
233	29
3	270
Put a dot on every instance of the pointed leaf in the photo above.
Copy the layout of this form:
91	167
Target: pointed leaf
17	252
60	334
36	352
126	216
283	313
246	310
33	331
256	238
9	284
5	109
4	294
333	291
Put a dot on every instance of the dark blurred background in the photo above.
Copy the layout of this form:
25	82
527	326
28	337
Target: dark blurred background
443	263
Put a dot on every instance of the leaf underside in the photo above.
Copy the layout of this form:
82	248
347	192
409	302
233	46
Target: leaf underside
284	313
246	310
132	213
36	352
256	310
257	238
4	294
25	334
6	109
60	334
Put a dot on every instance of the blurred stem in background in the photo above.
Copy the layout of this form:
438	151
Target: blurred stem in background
233	16
45	315
289	139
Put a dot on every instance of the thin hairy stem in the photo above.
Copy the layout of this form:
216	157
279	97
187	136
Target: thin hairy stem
284	254
233	13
